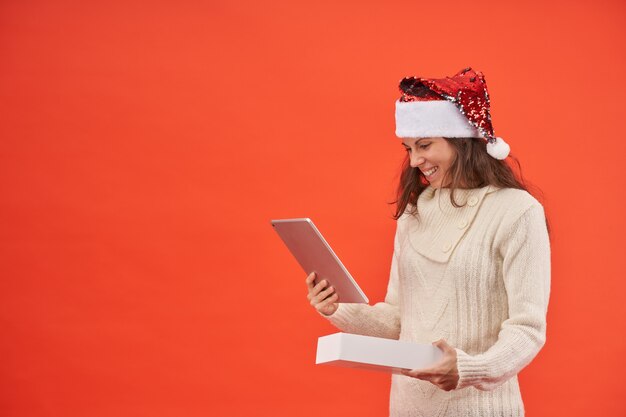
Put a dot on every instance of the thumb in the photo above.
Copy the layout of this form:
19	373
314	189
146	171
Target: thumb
441	344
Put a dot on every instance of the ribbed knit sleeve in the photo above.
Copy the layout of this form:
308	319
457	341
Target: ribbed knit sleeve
379	320
525	251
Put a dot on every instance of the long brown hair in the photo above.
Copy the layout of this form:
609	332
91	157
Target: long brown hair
472	167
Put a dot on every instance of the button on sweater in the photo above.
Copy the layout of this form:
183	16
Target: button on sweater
477	276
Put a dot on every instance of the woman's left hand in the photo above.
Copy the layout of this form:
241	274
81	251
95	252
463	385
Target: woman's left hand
444	374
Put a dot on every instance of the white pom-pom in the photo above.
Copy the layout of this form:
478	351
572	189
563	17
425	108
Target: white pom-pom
498	149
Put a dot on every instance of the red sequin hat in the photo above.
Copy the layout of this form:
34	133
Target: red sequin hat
452	107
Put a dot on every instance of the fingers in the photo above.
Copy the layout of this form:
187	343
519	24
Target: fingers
315	290
309	280
328	306
319	287
318	292
329	300
435	377
443	345
443	374
425	374
321	296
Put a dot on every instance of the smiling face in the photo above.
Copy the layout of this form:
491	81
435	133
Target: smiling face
432	156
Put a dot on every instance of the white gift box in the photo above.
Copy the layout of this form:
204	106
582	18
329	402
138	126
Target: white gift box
374	353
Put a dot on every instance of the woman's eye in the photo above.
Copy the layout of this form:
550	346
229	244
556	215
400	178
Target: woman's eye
407	149
425	146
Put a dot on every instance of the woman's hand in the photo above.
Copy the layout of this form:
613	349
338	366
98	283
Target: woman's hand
444	374
322	298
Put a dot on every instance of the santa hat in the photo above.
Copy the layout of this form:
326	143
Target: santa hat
452	107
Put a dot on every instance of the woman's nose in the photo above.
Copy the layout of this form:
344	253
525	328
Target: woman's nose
416	161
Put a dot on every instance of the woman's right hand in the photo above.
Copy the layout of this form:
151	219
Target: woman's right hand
323	299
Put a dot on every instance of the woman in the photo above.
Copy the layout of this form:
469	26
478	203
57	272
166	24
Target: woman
471	266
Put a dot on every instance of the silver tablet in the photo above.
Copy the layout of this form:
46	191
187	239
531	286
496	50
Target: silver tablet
313	254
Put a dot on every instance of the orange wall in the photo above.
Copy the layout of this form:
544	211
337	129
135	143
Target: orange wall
145	145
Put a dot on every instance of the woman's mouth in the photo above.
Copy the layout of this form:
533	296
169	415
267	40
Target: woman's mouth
430	172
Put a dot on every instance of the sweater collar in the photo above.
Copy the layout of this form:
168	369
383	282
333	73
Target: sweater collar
440	225
461	195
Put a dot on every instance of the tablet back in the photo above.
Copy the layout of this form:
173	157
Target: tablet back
314	254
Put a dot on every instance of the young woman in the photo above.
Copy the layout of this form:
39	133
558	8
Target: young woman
471	265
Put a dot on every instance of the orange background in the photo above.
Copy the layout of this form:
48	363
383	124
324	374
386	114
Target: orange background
145	146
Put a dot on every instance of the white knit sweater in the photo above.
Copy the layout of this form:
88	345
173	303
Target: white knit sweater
477	276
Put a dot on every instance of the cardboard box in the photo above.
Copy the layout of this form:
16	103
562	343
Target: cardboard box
374	353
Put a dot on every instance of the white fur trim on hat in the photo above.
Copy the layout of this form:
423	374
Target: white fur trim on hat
424	119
